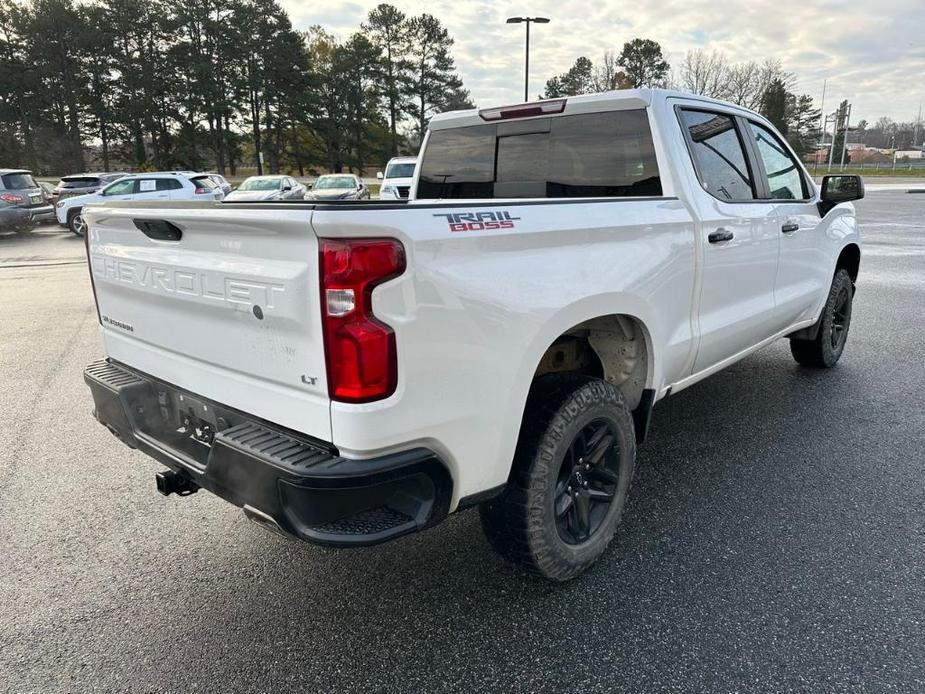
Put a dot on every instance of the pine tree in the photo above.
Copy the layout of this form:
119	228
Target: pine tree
432	70
388	27
644	63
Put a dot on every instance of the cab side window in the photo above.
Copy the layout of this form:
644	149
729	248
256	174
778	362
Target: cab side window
785	179
121	188
719	155
168	184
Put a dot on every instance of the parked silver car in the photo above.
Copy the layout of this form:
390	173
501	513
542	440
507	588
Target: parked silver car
22	201
339	187
221	182
258	188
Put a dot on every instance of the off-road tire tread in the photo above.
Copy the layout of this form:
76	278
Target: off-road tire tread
817	353
554	401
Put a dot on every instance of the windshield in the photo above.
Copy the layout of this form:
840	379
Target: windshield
261	184
87	182
331	182
18	181
400	170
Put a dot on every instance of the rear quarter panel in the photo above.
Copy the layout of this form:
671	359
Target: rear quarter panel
476	310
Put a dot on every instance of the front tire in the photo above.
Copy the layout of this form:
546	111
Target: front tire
570	477
76	222
824	351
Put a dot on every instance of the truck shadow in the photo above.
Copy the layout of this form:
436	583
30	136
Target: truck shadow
717	527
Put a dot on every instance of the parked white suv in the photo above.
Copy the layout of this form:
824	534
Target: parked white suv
352	372
140	187
399	175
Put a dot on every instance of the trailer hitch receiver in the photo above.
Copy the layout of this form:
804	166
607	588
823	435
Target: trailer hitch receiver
170	482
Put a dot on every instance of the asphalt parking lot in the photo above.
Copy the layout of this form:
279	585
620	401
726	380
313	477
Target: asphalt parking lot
774	541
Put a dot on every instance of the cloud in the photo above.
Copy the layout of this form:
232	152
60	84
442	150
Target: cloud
871	55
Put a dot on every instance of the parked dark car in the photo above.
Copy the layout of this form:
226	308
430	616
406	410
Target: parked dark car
82	184
339	187
49	190
262	188
22	201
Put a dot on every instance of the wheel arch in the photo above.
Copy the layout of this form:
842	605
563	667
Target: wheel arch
618	331
849	259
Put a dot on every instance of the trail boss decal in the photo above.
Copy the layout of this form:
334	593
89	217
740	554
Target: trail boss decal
479	221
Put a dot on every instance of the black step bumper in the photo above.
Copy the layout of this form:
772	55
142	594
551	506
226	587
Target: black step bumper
283	480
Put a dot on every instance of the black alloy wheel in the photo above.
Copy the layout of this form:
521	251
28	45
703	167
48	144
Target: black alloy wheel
587	483
841	318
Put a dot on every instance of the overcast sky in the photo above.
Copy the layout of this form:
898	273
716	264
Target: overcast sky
872	53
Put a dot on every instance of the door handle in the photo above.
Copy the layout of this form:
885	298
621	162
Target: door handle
720	235
790	227
158	229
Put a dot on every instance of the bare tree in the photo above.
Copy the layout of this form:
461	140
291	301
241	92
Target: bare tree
747	82
704	73
608	76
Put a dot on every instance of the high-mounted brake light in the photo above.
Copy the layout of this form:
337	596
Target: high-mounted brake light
360	350
539	108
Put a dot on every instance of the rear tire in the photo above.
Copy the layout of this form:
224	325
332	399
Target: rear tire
824	351
76	223
569	481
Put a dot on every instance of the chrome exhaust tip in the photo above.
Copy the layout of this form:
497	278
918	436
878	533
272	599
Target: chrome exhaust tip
264	520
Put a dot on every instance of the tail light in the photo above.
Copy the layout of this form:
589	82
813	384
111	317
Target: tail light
11	199
202	191
360	351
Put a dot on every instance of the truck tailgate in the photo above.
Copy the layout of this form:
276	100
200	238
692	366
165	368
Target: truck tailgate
229	311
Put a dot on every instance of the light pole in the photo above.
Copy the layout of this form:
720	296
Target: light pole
527	21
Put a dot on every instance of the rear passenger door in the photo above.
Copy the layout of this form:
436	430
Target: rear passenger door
739	237
172	187
803	273
148	189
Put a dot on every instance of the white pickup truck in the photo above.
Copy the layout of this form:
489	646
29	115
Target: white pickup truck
351	372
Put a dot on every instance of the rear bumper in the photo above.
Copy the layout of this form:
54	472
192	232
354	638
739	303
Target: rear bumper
290	483
46	213
14	217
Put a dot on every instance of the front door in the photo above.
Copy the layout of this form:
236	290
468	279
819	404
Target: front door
739	237
120	190
803	273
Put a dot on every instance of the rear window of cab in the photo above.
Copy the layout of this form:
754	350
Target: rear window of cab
608	154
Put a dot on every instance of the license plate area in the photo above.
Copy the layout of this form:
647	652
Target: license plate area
183	423
35	199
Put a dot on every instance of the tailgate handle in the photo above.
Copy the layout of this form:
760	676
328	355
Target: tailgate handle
159	229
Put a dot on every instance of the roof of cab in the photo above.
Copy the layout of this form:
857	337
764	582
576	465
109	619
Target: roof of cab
621	99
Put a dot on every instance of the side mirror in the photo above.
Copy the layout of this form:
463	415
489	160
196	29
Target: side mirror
379	175
287	187
840	188
308	186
